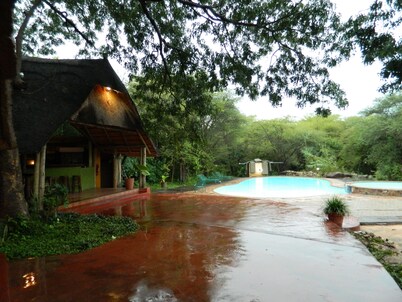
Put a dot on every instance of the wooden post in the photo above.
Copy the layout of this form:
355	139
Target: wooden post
90	155
143	161
42	174
115	171
119	176
36	176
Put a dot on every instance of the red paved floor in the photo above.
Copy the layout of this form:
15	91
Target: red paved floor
210	248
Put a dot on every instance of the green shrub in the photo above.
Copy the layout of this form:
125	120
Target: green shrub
55	196
389	172
336	205
67	234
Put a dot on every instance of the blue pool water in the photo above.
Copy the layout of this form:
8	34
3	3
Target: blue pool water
281	186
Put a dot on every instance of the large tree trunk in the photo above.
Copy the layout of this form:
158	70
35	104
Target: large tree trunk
12	201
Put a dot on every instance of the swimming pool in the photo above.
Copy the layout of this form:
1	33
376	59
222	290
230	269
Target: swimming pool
281	186
384	188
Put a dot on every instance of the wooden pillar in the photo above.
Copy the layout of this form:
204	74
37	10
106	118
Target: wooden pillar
42	173
143	161
97	168
90	155
119	176
39	177
115	171
36	176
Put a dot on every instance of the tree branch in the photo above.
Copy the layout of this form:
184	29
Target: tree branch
63	15
208	9
18	40
158	32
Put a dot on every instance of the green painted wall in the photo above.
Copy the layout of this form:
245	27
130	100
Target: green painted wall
87	175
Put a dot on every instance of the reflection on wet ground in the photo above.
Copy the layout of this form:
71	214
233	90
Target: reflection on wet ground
209	248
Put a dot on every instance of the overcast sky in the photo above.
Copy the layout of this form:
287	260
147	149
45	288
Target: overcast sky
360	82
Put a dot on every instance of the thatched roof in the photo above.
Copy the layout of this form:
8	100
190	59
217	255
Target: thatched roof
75	91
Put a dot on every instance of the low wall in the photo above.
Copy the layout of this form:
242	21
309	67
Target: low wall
87	175
371	191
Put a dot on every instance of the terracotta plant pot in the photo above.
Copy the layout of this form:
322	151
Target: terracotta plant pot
336	218
129	183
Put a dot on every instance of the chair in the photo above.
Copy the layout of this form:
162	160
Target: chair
49	181
199	185
65	181
76	184
208	180
221	177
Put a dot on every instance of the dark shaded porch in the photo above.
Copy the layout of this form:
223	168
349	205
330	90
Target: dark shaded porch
86	201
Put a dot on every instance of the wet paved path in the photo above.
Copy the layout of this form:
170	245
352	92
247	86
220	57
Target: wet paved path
212	248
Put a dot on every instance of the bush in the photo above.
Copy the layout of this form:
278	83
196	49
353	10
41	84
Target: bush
389	172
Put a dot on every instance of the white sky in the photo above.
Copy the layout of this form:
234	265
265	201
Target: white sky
360	82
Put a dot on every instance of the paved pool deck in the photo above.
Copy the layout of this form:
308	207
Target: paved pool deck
368	209
204	247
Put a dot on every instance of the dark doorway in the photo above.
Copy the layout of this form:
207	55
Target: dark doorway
106	170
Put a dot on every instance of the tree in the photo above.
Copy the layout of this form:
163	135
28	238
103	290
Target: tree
322	145
276	140
275	48
220	131
11	190
272	48
173	118
310	143
385	137
377	33
373	143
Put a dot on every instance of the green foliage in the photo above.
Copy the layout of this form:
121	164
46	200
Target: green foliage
219	42
55	196
370	144
375	141
336	205
389	172
377	33
132	168
66	234
323	161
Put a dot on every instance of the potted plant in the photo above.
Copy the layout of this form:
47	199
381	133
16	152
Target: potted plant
163	181
129	182
129	171
336	209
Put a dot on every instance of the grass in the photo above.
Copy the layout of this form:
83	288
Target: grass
385	252
67	234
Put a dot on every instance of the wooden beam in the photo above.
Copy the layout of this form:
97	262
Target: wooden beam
143	161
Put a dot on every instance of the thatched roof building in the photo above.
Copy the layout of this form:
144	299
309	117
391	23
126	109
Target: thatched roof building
86	93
